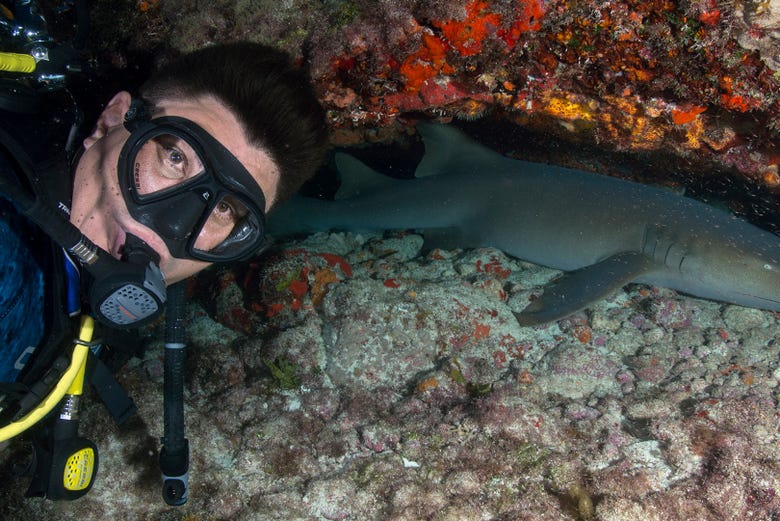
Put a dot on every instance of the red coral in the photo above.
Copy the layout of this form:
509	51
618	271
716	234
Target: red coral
466	36
434	95
298	288
583	333
480	330
392	283
431	94
680	116
334	260
737	102
274	309
426	63
710	17
493	267
732	98
528	18
710	14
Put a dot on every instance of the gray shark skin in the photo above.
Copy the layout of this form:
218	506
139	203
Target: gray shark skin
604	232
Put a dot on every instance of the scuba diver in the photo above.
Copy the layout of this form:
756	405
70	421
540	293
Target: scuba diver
99	224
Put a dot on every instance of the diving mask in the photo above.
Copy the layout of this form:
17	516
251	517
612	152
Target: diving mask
192	191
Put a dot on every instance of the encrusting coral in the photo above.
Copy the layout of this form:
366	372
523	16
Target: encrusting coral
648	75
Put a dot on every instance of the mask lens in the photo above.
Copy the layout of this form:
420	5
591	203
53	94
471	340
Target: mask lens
164	162
229	228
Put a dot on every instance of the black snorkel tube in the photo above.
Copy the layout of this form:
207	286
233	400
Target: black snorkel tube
175	452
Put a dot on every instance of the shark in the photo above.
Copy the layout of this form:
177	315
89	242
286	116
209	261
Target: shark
602	232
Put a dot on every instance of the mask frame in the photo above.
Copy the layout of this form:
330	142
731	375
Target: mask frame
178	213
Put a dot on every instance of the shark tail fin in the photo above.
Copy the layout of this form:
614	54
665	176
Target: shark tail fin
448	150
358	178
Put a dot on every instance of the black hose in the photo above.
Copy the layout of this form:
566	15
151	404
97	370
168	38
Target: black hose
62	231
173	387
174	456
174	325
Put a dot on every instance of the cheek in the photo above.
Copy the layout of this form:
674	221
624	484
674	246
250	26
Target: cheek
96	188
107	175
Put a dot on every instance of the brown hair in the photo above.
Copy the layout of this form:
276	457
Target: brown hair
272	99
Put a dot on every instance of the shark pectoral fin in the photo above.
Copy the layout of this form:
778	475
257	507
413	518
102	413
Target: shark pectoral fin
578	289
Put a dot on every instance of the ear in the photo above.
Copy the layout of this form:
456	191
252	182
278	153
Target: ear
112	115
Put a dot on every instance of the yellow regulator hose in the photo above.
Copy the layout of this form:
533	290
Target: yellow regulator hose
72	382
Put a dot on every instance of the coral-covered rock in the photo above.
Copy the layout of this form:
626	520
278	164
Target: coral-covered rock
426	400
699	79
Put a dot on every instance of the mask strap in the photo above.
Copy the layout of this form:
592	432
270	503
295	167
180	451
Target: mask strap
140	111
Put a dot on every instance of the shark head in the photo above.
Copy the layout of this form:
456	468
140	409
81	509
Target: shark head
741	266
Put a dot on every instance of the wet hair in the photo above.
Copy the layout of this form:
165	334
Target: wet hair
272	99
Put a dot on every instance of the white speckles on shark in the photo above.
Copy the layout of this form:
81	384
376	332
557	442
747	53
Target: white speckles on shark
604	232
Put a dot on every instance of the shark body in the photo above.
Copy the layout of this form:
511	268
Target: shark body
604	232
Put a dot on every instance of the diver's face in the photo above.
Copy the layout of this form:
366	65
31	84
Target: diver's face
98	207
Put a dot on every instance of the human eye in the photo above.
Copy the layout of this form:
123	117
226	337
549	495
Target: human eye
172	162
229	221
228	211
175	158
224	211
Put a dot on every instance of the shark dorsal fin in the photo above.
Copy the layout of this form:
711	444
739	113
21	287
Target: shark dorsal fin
358	178
448	150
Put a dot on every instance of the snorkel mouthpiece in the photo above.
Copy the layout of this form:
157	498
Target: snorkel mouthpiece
131	292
